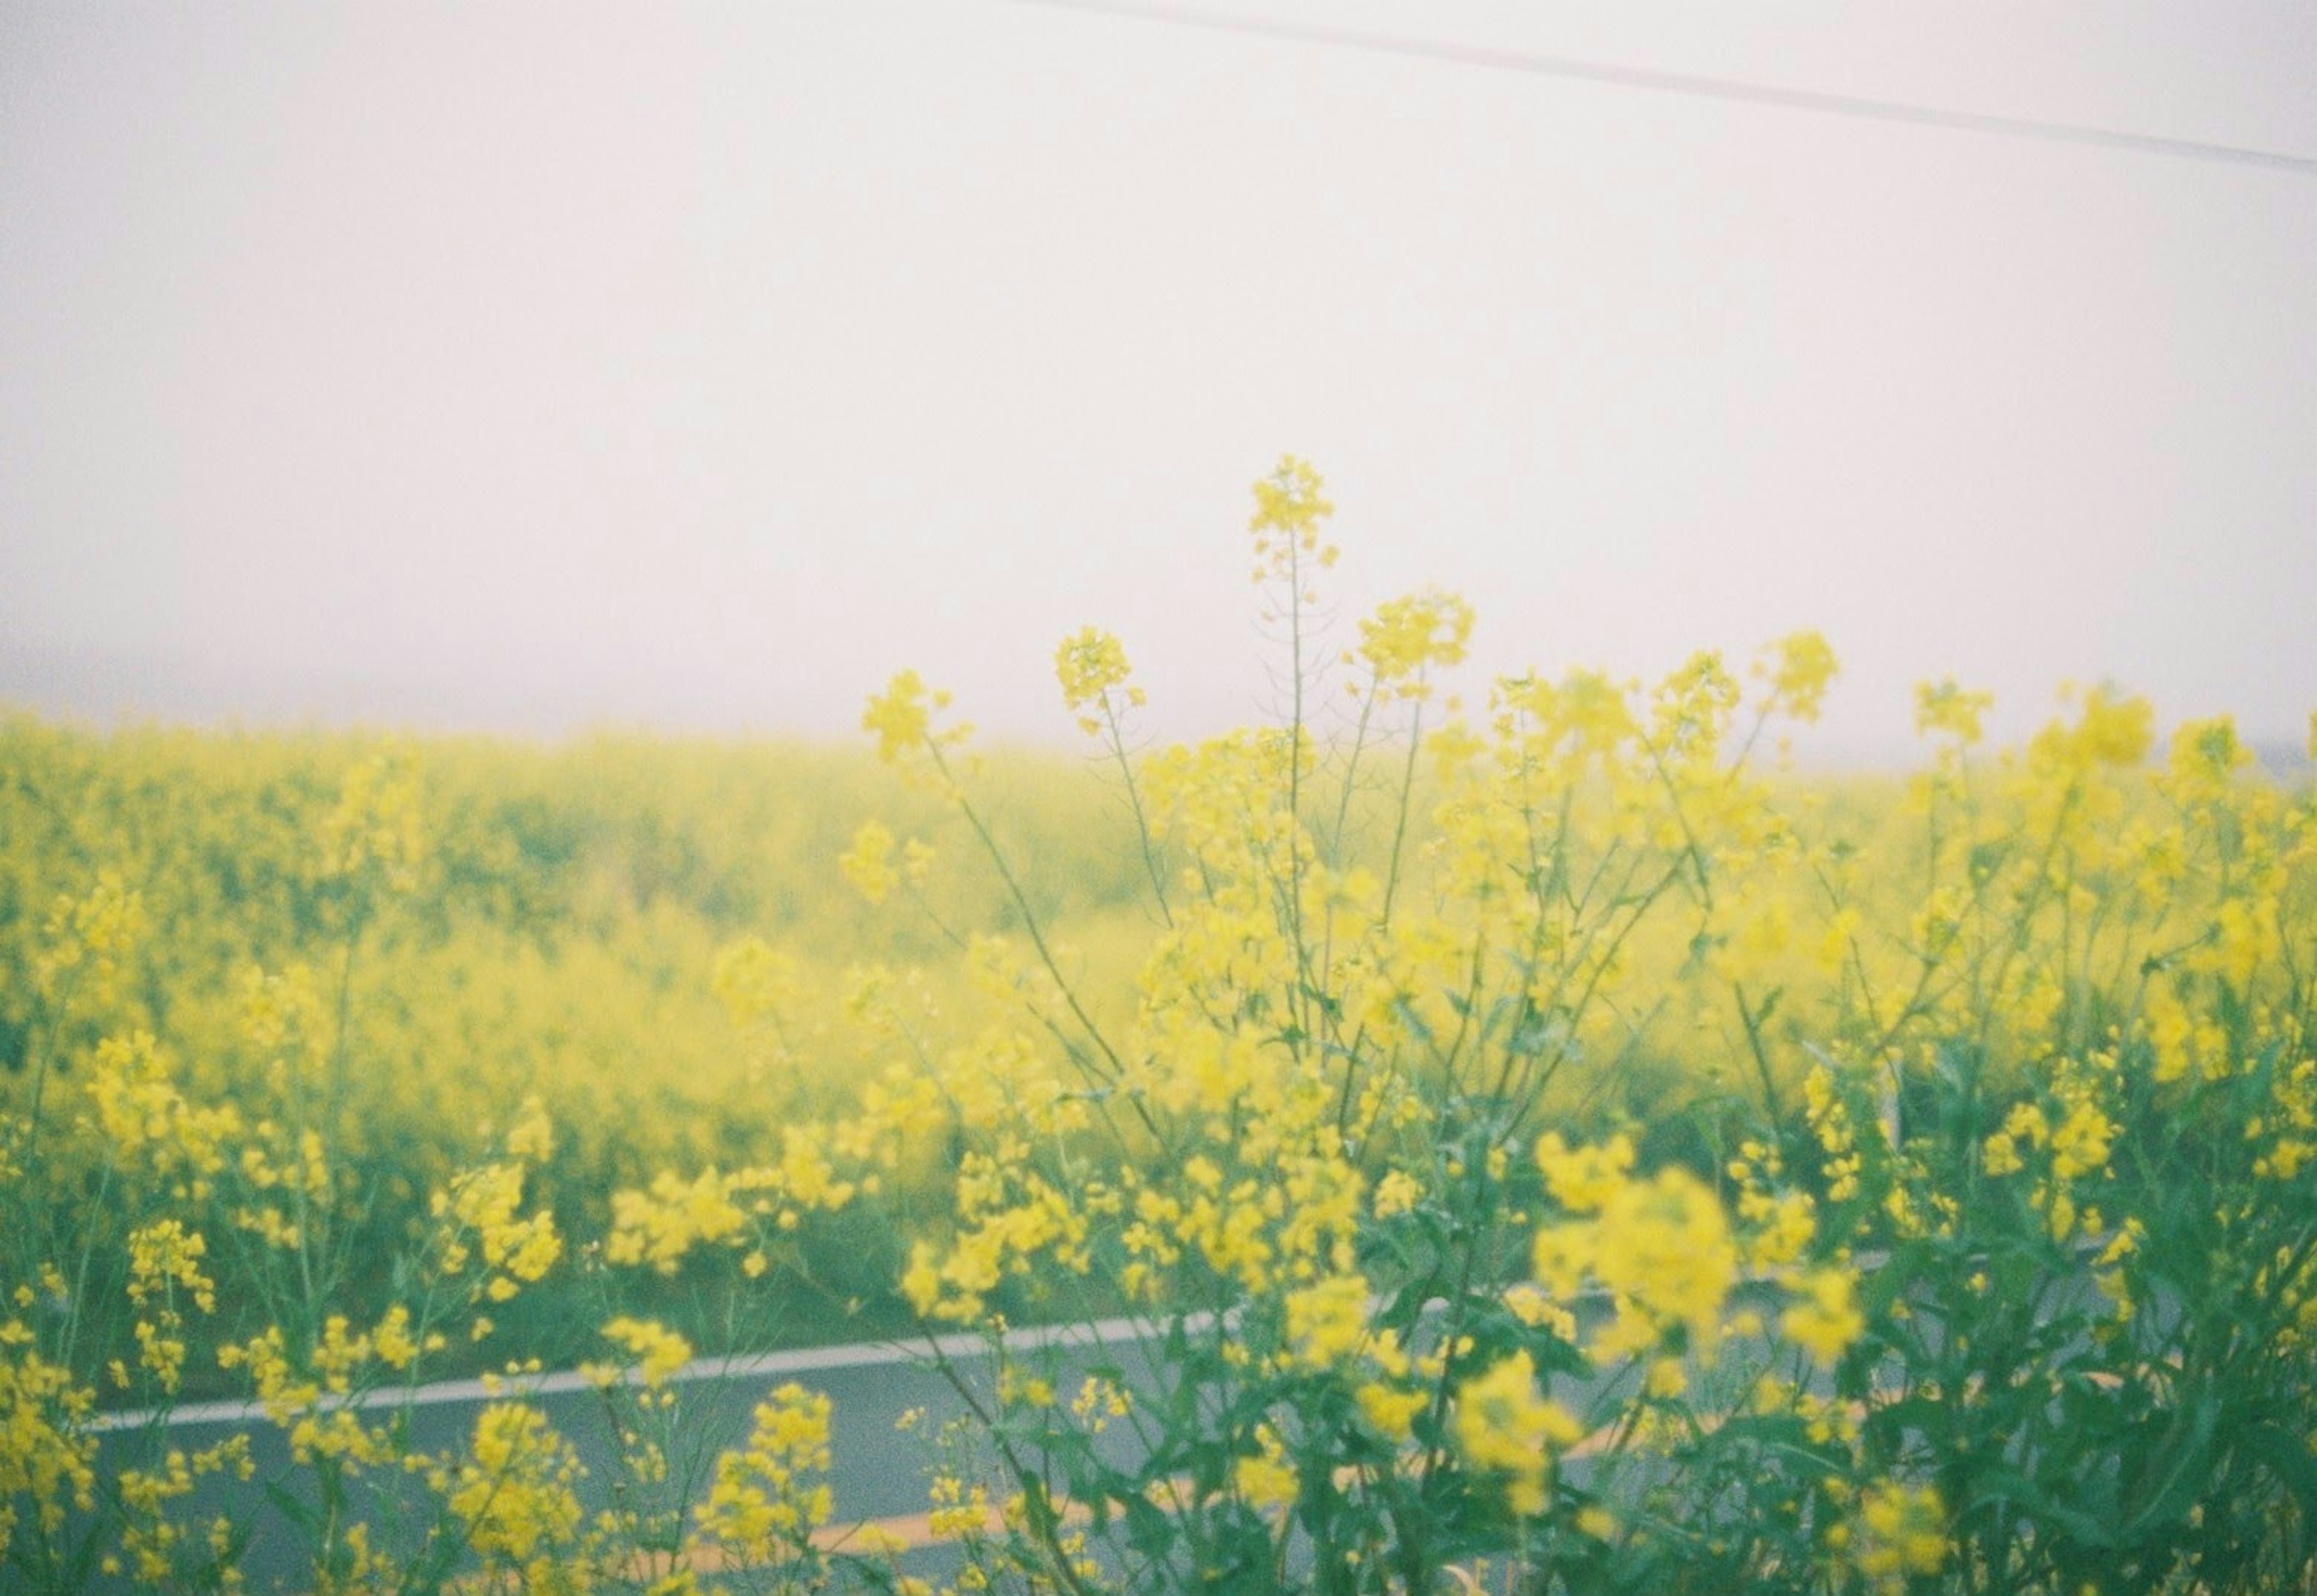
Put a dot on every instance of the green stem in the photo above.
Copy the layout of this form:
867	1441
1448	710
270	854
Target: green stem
1400	822
1029	917
1134	798
1351	768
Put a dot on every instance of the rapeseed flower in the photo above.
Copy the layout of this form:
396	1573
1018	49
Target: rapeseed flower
1290	508
1945	709
1901	1532
1827	1320
1505	1425
1091	665
1799	667
659	1351
769	1494
516	1498
1407	638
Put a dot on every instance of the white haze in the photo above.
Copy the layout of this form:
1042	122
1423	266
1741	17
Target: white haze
527	367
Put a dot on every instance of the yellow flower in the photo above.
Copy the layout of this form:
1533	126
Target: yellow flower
1397	1193
1263	1480
1829	1321
515	1495
868	863
1799	668
531	1135
659	1227
392	1341
165	1255
1662	1246
2112	731
479	1211
1505	1425
1406	636
768	1497
1390	1410
660	1351
376	829
1584	1178
902	718
1328	1322
1098	1402
1789	1222
2002	1155
1288	509
1534	1309
2080	1144
1089	664
1902	1532
91	936
1946	709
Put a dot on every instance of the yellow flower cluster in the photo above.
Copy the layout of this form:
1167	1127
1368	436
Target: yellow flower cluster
1828	1320
47	1457
165	1258
662	1225
1407	638
659	1352
1945	709
146	1120
479	1214
1091	666
1799	668
153	1545
903	718
282	1017
1506	1426
754	980
1662	1248
378	828
314	1407
1010	1217
1290	508
1900	1531
88	938
768	1496
515	1497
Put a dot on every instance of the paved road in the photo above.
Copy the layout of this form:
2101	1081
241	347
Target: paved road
877	1472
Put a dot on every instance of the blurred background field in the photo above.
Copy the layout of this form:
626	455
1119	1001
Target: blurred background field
556	931
558	938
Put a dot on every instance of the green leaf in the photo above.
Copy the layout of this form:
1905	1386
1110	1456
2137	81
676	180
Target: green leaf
2046	1512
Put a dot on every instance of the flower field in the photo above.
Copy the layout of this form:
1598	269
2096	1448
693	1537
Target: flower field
1549	1143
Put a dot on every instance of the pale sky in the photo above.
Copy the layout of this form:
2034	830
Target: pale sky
524	367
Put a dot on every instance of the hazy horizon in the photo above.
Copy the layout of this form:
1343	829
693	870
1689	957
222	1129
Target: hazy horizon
527	370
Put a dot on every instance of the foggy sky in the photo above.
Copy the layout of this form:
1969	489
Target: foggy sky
526	367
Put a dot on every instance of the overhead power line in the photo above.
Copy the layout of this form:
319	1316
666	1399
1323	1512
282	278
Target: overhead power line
1494	59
